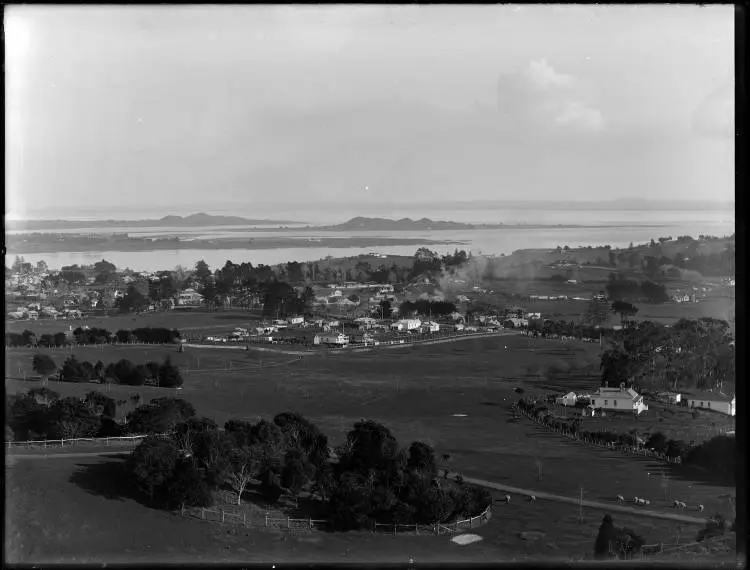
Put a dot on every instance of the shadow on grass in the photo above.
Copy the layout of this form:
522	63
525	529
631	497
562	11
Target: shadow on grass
108	479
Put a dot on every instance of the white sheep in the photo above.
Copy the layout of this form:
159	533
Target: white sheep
507	499
620	499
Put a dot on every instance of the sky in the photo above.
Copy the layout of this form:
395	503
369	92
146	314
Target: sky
110	108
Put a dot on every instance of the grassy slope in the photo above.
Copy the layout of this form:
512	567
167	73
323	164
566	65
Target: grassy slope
60	514
476	378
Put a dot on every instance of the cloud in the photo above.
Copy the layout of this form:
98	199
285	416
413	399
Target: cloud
714	116
541	98
576	114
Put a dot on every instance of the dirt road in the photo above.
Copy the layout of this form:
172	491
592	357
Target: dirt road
517	494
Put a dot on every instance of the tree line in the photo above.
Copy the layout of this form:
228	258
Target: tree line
94	335
692	353
123	371
42	414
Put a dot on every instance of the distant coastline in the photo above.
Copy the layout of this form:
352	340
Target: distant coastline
193	220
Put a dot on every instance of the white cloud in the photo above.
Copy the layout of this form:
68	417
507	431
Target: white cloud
545	99
576	114
544	76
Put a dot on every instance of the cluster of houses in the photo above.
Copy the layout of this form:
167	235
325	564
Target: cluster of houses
622	399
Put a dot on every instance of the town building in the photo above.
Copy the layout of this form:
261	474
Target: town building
569	399
713	401
332	339
618	400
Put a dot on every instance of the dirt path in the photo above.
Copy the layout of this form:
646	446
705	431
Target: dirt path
519	494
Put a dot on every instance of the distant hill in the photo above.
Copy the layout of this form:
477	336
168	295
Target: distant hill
404	224
193	220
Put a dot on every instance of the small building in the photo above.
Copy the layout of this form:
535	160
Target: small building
430	326
187	297
669	397
406	325
296	320
618	400
569	399
332	339
713	401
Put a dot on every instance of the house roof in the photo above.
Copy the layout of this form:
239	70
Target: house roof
709	396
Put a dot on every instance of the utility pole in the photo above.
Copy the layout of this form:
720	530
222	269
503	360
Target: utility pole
580	507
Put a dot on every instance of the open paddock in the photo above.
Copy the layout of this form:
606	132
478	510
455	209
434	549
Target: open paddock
192	320
76	509
418	393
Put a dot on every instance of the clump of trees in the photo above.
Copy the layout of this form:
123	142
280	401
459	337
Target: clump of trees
718	455
42	414
425	307
370	479
613	542
621	289
124	371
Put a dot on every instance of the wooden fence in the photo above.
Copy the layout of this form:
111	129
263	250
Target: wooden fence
107	441
437	528
629	449
239	517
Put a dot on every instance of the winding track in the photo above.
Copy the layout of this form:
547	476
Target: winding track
11	458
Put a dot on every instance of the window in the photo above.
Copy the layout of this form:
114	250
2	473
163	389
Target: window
701	404
593	402
614	402
709	404
605	402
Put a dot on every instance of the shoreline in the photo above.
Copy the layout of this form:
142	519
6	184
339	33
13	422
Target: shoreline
69	246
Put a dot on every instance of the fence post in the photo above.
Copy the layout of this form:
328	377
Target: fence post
266	519
244	518
222	515
288	525
203	513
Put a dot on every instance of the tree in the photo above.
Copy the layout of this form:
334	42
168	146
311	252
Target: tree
99	404
160	416
202	272
244	464
43	365
624	309
74	370
70	418
657	442
169	375
133	300
605	539
152	464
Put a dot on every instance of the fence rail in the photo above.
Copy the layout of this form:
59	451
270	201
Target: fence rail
629	449
436	528
223	515
78	440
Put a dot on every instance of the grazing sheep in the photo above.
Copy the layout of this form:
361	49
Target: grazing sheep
532	498
507	499
620	499
676	503
700	508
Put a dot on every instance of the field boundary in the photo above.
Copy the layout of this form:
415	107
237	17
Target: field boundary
222	515
76	441
628	449
437	528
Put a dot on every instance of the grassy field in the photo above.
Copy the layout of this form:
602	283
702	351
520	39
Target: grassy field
181	320
68	510
415	392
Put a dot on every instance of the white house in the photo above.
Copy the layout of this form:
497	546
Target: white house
713	401
296	320
430	326
618	399
336	339
187	297
532	316
406	325
568	399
